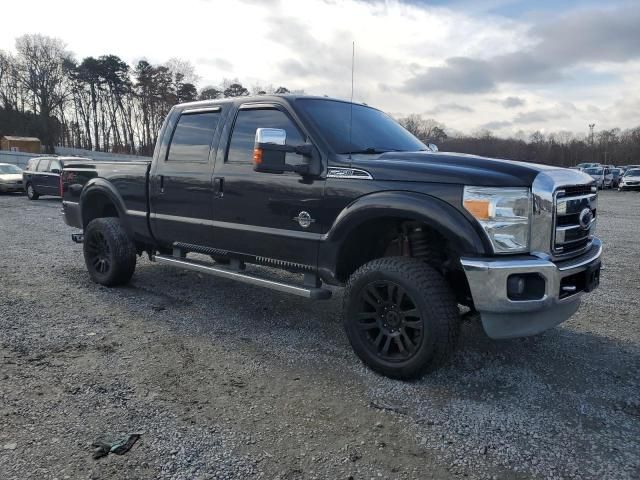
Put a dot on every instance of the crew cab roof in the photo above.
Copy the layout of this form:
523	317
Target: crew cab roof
288	97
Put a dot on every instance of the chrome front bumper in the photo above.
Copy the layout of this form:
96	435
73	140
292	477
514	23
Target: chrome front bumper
503	317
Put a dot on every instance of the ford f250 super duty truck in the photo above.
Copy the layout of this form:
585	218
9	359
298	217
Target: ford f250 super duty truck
341	194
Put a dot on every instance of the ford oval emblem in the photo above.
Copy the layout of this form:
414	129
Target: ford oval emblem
585	218
304	219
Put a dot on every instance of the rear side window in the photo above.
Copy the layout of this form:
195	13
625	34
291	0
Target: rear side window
31	164
43	166
55	164
244	133
192	137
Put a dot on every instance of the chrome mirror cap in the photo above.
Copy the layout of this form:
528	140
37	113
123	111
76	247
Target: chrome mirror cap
276	136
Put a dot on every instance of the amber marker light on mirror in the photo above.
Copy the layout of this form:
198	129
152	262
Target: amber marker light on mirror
257	156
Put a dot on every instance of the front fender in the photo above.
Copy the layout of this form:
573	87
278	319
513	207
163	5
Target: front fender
439	215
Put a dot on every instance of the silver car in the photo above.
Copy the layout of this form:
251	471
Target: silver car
630	180
598	175
10	178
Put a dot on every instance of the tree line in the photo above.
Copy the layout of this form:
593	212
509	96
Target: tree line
103	103
98	103
565	149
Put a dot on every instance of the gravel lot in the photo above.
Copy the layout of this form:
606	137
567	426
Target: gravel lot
228	381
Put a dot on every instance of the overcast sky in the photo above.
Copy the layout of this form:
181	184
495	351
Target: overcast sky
504	65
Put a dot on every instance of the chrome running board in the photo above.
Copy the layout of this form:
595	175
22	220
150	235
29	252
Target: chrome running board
316	292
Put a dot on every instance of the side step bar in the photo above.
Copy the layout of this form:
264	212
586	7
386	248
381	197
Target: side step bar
316	293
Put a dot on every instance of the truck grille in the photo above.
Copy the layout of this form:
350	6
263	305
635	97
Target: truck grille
574	219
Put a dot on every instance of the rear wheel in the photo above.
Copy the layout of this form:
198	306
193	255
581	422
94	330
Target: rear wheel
31	192
109	253
400	316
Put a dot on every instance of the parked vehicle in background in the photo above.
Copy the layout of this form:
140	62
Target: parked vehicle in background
588	165
597	173
10	178
617	175
340	193
630	180
42	176
608	177
580	169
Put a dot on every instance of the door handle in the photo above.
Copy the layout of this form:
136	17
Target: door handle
218	187
161	183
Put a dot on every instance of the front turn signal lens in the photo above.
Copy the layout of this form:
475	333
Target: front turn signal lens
478	208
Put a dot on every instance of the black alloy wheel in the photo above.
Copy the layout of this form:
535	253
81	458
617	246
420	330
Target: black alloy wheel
98	252
400	316
389	321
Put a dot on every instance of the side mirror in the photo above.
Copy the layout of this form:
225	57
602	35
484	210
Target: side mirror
270	150
432	147
55	170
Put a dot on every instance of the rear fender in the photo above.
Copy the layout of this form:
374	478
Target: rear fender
99	187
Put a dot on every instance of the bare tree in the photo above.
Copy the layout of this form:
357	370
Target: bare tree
41	69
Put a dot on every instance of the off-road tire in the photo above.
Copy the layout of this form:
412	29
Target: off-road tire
431	296
109	252
31	192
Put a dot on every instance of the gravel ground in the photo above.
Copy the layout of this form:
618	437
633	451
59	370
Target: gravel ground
225	380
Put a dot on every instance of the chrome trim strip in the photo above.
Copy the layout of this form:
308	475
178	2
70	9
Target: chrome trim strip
201	110
136	213
239	226
348	173
315	293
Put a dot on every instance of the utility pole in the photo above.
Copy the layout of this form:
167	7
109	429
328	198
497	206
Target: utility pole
591	127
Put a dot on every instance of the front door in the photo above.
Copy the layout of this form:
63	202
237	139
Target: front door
180	188
262	214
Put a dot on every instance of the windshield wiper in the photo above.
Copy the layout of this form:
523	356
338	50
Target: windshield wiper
371	151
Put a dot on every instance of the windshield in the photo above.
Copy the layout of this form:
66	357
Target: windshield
634	172
593	171
9	169
372	130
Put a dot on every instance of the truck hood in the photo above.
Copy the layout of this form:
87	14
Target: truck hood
458	168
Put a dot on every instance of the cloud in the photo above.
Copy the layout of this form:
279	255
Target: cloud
539	116
580	37
459	75
496	125
449	107
512	102
219	63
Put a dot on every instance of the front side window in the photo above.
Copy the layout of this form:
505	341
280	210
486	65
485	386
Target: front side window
43	166
192	137
244	133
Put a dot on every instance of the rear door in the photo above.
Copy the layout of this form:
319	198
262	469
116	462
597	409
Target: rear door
181	190
40	176
51	180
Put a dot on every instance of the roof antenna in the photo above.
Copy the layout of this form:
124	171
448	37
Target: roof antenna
353	56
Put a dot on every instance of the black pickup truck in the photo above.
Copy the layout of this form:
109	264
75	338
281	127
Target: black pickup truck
341	194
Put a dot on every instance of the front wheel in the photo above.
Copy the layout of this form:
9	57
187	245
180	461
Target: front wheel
109	252
31	192
400	317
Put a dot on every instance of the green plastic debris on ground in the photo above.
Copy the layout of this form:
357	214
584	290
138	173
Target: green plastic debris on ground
119	446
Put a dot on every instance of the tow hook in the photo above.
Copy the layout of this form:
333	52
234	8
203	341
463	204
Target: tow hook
77	237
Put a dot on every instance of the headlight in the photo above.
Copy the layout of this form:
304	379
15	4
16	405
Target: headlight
504	214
